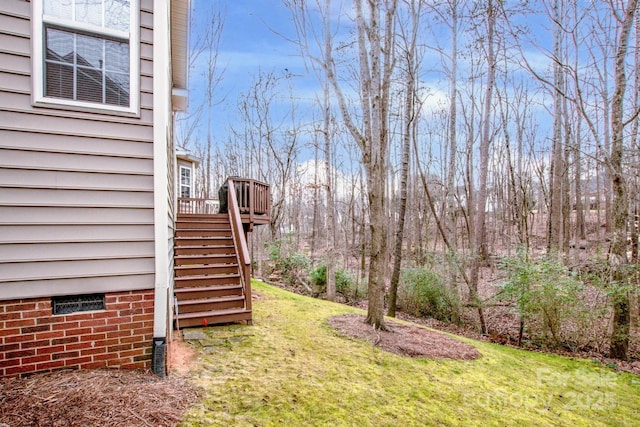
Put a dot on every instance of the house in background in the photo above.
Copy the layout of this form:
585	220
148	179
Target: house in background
186	172
103	247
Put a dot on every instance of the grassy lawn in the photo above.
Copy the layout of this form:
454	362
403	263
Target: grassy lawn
290	368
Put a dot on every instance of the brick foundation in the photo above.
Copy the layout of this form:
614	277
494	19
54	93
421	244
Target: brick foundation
32	339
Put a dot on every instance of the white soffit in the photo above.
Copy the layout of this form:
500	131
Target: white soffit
180	45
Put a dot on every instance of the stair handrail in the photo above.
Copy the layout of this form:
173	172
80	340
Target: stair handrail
240	242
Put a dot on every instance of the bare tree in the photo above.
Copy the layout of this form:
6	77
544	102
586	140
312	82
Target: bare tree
554	235
410	64
479	245
376	63
272	140
618	253
209	46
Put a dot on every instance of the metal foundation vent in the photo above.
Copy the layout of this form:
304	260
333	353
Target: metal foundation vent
158	356
73	303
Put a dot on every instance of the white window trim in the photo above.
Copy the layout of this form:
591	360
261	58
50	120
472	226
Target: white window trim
37	63
180	184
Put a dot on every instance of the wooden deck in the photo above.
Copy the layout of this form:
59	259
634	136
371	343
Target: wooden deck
212	274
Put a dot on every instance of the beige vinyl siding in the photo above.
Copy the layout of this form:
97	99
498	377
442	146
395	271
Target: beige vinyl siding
76	188
26	252
105	146
74	180
76	233
102	283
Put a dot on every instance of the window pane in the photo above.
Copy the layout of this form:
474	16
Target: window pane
117	14
89	11
59	45
113	14
59	80
185	176
89	51
117	56
117	89
185	191
59	8
98	68
89	85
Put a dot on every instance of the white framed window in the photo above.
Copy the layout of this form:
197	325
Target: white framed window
185	182
86	54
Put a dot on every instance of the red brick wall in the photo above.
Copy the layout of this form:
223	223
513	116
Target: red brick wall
32	339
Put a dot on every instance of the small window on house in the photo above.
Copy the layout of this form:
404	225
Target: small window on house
88	53
75	303
185	182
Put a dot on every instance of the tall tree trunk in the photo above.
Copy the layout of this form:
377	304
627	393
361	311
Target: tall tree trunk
376	63
331	219
581	231
554	236
453	116
314	214
618	252
408	132
479	246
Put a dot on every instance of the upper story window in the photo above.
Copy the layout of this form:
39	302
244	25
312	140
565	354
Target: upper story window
185	182
86	53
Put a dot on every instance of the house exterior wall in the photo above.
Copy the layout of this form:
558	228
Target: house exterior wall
163	172
78	202
76	188
32	339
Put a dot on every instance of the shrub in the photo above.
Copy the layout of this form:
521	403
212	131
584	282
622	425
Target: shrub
547	297
290	264
345	285
319	277
422	292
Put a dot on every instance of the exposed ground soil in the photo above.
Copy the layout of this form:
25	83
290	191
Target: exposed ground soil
94	398
404	340
181	355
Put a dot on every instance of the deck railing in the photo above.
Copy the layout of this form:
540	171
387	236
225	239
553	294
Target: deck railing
188	205
253	197
240	242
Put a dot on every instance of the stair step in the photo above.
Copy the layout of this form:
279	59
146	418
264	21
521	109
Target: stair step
205	270
200	259
213	317
219	218
198	239
204	250
206	281
203	241
202	224
210	304
203	232
213	291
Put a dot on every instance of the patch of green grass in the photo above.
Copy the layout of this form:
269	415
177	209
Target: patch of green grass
290	368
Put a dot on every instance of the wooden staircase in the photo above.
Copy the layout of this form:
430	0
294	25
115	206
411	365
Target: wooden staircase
208	276
212	262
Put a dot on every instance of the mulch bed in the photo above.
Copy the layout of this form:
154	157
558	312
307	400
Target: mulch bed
404	340
94	398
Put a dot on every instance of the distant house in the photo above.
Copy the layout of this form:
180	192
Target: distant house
104	249
186	163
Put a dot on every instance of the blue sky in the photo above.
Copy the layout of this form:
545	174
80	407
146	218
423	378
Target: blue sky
249	44
252	41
